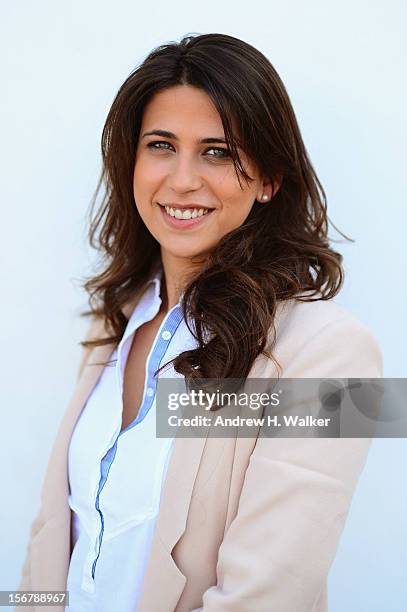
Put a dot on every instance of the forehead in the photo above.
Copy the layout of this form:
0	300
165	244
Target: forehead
182	107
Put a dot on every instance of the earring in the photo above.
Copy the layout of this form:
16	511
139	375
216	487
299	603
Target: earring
264	197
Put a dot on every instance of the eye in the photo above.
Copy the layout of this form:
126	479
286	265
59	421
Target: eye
152	145
221	153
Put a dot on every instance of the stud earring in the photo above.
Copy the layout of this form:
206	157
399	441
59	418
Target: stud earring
264	197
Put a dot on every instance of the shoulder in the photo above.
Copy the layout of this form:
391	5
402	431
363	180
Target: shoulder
96	329
321	338
311	318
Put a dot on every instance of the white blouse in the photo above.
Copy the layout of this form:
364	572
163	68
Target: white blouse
116	477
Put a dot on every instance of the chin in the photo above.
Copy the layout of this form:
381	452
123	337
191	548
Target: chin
183	251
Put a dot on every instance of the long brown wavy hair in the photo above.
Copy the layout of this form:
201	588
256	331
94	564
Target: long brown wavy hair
280	252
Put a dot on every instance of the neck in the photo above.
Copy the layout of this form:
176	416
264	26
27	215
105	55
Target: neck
177	273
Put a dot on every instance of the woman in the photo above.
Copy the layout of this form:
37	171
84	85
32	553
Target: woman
216	265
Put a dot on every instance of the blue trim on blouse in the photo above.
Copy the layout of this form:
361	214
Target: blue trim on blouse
168	329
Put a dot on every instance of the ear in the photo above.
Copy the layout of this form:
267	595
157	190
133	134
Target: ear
269	188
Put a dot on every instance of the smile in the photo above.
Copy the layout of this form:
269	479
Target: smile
186	213
184	218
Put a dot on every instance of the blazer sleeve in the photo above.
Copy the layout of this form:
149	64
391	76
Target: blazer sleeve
39	522
93	332
25	576
296	495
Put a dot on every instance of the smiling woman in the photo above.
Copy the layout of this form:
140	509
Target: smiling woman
185	182
216	264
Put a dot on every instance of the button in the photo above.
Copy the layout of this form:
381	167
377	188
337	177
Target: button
150	392
166	335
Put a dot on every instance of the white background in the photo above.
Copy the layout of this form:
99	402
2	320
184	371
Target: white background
344	66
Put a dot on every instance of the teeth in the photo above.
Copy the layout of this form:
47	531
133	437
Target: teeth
188	213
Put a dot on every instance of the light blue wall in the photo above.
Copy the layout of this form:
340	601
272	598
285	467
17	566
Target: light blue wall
369	572
344	65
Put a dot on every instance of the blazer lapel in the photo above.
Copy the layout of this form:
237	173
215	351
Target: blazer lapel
51	546
55	489
164	582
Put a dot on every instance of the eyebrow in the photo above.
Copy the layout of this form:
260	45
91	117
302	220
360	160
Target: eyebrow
166	134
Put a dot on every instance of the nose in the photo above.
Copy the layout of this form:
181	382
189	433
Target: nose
184	175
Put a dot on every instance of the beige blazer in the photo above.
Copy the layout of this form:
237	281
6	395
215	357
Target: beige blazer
244	524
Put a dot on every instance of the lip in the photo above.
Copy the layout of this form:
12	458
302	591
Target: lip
184	223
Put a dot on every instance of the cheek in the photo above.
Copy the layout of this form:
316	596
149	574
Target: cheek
142	191
147	173
144	180
236	202
236	210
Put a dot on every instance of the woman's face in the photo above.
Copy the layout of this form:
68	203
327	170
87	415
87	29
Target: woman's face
178	169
